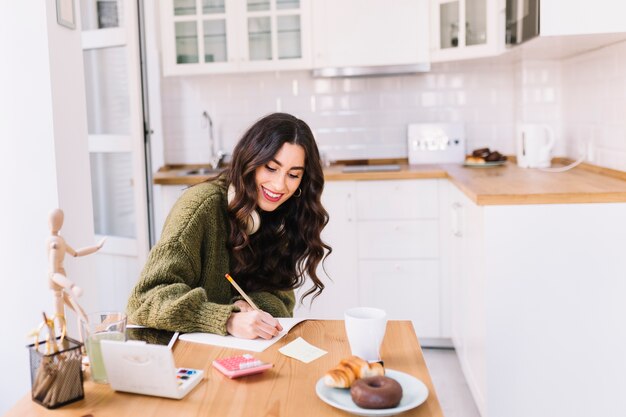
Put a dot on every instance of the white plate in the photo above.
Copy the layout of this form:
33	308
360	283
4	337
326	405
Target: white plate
485	165
414	392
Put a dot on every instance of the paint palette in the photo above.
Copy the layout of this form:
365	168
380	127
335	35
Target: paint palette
147	369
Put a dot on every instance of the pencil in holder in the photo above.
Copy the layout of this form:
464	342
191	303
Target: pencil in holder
56	378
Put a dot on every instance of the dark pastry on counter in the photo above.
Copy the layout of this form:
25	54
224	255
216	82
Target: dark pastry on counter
376	392
495	156
481	153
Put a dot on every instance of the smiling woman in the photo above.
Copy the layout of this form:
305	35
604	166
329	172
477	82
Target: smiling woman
260	220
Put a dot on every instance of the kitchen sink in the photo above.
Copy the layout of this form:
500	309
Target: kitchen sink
200	171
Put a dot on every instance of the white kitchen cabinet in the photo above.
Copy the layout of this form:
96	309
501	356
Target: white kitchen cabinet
224	36
405	289
537	305
398	250
390	238
360	33
400	200
569	28
464	29
385	239
341	290
464	253
581	17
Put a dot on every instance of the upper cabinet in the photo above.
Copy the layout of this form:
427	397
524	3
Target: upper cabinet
362	33
213	36
559	29
580	17
463	29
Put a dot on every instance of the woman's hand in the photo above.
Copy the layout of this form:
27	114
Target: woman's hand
243	306
253	324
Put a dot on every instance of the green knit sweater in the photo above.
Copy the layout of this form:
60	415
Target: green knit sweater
182	286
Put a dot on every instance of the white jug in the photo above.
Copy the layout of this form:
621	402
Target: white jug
534	145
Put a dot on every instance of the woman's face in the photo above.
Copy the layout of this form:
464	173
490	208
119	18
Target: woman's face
280	178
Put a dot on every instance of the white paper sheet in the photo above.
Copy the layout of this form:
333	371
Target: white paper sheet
256	345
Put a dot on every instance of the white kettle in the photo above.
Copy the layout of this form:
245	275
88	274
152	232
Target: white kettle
534	146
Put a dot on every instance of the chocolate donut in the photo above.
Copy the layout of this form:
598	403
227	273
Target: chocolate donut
482	152
376	392
495	156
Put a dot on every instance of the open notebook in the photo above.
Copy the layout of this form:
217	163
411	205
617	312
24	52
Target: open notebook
148	369
256	345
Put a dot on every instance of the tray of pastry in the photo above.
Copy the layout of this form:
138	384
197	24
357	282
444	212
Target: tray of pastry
484	158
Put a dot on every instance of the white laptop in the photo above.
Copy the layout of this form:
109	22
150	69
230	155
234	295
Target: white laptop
142	368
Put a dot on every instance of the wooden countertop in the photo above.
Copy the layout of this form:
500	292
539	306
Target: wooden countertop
503	185
287	390
511	185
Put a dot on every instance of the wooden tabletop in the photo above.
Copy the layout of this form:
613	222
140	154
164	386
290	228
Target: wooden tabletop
287	390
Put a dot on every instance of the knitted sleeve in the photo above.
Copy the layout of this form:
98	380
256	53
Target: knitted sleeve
171	293
164	297
277	303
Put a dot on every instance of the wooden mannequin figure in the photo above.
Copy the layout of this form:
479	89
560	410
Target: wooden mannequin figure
65	291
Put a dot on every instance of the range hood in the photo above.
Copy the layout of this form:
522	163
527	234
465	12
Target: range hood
369	71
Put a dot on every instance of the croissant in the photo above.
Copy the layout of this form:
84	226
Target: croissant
351	369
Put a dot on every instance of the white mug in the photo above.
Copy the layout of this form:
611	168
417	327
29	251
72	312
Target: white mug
365	327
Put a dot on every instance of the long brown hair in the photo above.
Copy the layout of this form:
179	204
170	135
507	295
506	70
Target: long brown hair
288	246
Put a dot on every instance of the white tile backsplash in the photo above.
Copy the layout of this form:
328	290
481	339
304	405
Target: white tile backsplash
352	118
594	105
582	98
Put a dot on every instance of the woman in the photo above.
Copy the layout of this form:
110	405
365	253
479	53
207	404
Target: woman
260	221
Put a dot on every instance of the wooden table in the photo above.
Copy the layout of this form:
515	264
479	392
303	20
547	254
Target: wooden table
287	390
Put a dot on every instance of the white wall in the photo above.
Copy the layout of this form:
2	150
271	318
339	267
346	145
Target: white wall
44	165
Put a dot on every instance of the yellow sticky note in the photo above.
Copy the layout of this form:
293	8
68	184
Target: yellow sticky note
302	350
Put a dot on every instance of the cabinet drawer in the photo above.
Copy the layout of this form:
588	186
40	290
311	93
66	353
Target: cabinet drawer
401	199
407	290
401	239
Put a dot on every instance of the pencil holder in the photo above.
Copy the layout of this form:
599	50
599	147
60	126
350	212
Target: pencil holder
56	378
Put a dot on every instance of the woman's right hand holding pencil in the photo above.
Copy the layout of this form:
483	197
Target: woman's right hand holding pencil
252	324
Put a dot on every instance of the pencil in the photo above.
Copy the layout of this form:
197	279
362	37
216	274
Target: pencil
240	291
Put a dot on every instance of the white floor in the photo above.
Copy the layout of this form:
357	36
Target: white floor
452	390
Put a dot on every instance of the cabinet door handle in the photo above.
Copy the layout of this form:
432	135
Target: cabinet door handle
457	221
349	210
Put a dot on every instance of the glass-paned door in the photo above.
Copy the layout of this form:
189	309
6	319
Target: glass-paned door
476	22
449	25
200	31
274	29
110	41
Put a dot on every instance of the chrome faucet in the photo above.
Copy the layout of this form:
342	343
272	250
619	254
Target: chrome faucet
216	158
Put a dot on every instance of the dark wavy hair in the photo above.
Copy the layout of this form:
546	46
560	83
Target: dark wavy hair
287	248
